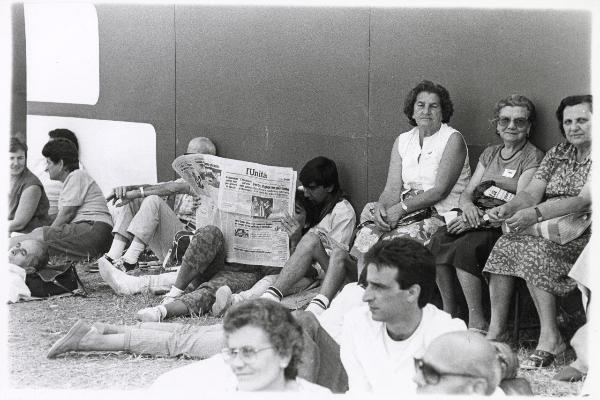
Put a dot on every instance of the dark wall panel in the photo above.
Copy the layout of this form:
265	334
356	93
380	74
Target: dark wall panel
480	56
276	85
137	75
18	107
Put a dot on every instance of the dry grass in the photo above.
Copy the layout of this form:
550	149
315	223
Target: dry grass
35	326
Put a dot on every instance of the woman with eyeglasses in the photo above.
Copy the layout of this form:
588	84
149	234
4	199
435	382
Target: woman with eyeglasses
560	186
27	201
463	246
263	345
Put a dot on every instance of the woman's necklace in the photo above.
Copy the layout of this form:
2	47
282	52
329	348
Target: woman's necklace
513	154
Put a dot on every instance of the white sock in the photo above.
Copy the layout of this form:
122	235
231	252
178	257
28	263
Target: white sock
116	249
119	281
270	296
133	252
163	311
174	292
318	304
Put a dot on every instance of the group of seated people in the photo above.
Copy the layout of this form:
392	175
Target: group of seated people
371	327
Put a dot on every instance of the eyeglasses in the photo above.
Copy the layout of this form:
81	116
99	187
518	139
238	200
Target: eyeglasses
246	353
18	249
520	123
432	376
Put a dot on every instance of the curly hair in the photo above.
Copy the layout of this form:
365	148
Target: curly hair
570	101
282	329
429	87
516	100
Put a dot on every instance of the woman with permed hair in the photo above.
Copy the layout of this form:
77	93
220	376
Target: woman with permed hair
263	346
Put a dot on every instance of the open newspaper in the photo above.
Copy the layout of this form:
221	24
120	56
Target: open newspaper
245	200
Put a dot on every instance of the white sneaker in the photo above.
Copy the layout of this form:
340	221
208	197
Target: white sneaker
149	314
118	280
173	294
222	302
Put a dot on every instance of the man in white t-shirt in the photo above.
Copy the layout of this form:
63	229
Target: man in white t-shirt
380	339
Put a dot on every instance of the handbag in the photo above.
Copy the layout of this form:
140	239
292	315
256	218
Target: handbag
53	280
561	229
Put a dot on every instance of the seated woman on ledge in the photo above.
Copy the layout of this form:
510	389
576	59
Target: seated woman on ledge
428	170
463	247
83	225
27	201
560	186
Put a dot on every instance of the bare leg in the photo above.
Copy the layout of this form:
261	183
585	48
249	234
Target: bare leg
342	269
176	308
308	250
472	288
444	277
550	339
501	290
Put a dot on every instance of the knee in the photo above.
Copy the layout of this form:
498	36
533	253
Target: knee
152	200
309	241
208	238
339	258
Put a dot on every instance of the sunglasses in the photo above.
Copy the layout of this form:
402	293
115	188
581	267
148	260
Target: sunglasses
431	376
246	353
520	123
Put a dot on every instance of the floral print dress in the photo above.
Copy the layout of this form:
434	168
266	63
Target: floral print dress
539	261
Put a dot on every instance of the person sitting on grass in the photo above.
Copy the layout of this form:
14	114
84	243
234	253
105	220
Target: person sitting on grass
83	225
204	270
27	201
262	352
319	178
458	363
24	258
143	219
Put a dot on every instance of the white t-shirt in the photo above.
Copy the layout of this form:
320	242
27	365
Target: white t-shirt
214	375
336	227
17	289
332	319
375	363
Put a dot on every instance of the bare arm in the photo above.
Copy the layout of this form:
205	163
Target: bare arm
531	195
28	203
449	170
65	215
391	192
160	189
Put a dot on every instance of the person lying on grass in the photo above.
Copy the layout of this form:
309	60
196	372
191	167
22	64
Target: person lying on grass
24	258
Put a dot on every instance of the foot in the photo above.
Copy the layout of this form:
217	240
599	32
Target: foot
478	330
118	280
569	374
120	264
173	295
222	301
538	359
150	314
69	342
505	336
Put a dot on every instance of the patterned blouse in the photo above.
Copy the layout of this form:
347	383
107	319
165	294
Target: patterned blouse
564	175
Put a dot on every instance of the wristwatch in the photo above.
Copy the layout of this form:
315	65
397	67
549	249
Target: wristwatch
540	218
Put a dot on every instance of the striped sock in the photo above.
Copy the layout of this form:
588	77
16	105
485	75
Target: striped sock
272	293
318	304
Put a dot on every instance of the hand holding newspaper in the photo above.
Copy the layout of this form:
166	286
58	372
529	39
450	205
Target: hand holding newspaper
239	197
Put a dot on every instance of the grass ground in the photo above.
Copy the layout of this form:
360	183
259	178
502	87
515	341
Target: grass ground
34	326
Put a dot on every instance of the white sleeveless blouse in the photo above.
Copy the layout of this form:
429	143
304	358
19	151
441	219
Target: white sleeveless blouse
420	164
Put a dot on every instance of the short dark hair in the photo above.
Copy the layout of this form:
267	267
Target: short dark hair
516	100
62	133
16	145
570	101
323	172
62	149
414	263
282	329
429	87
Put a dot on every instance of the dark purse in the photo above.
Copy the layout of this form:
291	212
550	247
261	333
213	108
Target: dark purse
54	280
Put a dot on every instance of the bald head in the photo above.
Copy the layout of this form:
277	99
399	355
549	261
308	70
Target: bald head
466	363
201	145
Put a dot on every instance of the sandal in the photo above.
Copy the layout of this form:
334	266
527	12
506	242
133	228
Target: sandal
477	330
538	359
